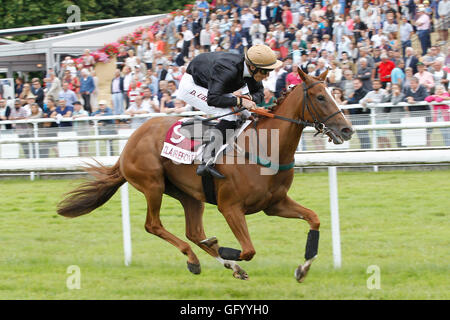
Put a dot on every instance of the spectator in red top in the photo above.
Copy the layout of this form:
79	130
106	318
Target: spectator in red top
287	15
293	78
134	91
441	111
385	68
74	82
160	44
88	60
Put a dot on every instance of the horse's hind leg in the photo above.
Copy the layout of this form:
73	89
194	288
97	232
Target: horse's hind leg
288	208
153	225
195	232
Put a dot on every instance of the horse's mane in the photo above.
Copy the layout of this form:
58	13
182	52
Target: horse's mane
285	94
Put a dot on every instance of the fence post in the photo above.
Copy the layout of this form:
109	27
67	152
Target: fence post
36	135
97	143
334	207
373	121
124	195
36	144
30	155
108	147
126	226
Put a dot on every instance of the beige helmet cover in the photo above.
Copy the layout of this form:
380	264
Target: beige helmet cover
262	57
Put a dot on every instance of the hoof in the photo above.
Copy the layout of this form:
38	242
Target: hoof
194	268
239	273
301	272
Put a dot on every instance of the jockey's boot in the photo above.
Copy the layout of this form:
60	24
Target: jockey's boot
215	143
207	166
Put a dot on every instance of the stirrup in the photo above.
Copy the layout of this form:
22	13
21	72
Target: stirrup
213	171
202	168
208	168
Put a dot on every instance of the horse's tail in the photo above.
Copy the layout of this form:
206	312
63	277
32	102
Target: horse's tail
92	194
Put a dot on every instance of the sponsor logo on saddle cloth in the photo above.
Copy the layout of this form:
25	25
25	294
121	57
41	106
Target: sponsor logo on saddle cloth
179	148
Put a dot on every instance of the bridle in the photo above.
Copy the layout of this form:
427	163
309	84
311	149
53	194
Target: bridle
318	123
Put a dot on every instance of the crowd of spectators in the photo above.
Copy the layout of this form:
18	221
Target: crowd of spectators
367	46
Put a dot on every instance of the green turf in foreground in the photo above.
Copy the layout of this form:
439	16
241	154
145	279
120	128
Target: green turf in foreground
397	221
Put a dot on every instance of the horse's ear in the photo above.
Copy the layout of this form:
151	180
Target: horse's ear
323	75
301	73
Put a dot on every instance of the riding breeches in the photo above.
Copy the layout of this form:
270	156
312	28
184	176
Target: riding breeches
196	96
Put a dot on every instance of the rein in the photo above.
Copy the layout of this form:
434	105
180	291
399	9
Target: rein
318	123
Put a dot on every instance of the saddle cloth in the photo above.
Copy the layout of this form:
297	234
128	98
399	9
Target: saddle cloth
185	144
178	147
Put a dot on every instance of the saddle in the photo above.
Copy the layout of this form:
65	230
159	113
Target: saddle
196	127
186	138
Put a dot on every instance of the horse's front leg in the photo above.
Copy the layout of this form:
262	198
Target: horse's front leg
288	208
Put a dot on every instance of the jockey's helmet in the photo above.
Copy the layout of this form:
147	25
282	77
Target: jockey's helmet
262	57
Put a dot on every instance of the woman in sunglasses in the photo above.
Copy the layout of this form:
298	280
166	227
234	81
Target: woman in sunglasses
212	78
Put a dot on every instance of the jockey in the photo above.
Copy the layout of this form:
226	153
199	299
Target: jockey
214	83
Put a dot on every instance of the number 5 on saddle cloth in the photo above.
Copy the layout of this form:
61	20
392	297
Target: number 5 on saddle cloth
186	139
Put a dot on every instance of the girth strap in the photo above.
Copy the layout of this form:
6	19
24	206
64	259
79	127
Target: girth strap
209	189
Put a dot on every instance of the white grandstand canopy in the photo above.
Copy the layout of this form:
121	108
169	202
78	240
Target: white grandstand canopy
4	41
60	27
39	55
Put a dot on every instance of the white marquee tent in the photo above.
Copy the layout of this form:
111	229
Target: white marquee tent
40	55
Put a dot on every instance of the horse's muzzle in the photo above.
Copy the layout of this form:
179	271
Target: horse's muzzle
339	136
346	133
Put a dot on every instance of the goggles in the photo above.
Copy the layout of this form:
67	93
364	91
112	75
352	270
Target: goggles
265	71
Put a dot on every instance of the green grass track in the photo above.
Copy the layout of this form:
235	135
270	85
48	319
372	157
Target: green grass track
398	221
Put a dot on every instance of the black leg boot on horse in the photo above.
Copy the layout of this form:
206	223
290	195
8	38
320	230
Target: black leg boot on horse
212	146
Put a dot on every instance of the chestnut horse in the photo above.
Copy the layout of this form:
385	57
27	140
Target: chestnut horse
243	191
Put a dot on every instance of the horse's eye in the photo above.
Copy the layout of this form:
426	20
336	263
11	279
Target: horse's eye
321	98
